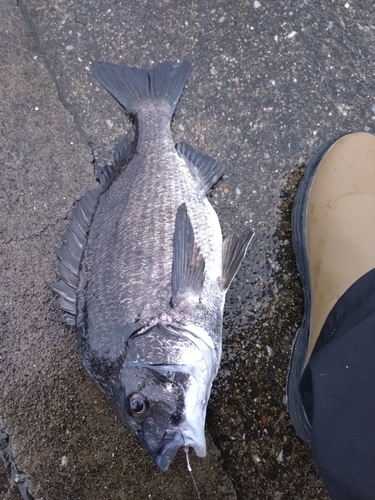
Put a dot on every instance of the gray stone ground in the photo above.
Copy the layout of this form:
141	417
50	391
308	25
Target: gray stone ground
272	81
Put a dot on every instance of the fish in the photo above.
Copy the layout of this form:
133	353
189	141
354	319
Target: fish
143	269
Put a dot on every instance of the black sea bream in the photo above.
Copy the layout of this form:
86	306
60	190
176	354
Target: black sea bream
143	270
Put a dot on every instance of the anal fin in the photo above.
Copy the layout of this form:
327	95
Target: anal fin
188	262
234	250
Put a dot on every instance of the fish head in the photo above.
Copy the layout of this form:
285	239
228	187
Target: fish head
166	380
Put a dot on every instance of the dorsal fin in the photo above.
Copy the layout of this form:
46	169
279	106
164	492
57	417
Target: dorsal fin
188	262
75	239
208	169
234	250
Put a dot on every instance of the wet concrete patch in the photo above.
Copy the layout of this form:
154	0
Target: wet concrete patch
248	417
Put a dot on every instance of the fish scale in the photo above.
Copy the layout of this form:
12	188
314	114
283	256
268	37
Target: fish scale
151	232
143	270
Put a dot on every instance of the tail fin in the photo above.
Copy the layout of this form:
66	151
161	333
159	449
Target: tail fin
131	86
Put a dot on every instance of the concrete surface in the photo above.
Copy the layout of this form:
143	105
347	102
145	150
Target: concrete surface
272	81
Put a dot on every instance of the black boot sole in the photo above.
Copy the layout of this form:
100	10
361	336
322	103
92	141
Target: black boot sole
301	340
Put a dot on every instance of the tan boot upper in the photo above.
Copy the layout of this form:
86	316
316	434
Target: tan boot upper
340	224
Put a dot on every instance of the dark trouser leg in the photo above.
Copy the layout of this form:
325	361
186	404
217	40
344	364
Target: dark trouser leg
338	393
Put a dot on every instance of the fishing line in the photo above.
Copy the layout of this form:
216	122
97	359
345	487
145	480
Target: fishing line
186	448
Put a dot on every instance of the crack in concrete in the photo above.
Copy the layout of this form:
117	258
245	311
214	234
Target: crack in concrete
218	445
41	53
17	478
30	236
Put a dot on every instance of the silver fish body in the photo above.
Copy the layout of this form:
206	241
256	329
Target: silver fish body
143	270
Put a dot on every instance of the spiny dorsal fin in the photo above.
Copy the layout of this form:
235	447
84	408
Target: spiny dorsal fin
208	169
234	250
188	262
75	239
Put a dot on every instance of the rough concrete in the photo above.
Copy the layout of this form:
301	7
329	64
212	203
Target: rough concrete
272	81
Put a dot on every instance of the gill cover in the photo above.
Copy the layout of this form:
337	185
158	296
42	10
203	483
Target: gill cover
171	369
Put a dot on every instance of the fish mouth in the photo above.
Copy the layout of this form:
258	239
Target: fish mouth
172	442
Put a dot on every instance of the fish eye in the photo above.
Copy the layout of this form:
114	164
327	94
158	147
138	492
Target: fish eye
137	405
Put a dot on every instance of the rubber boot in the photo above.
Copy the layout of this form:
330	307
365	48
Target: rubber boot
333	225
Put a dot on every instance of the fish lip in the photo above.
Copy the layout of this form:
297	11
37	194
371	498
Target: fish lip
199	448
172	442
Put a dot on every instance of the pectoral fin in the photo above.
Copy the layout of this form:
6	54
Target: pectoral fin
188	262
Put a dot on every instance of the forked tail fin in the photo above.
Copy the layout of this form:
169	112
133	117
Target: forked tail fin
131	86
